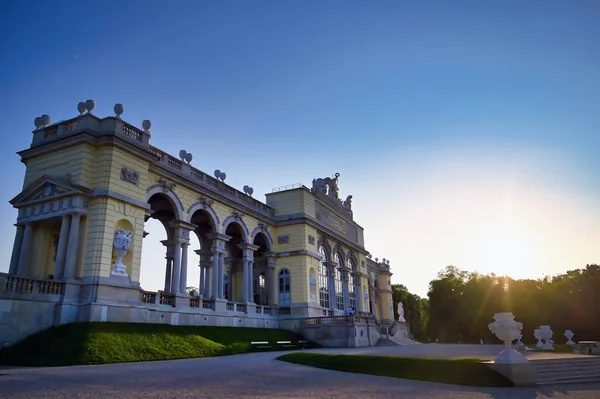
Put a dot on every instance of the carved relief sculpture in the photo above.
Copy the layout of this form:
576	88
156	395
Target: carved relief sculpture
121	245
129	176
348	203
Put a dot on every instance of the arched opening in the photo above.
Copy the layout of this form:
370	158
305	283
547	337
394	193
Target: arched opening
157	255
338	283
233	278
201	250
352	288
261	295
323	278
285	294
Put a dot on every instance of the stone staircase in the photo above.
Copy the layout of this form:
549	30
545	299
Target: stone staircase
384	341
567	370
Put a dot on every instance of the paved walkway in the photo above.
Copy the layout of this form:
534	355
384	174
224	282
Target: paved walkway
256	375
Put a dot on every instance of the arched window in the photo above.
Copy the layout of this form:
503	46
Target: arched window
285	295
225	286
339	288
351	284
323	287
260	292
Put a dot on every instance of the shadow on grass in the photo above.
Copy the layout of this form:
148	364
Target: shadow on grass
469	372
99	343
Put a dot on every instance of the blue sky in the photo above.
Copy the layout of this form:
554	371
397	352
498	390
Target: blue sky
467	132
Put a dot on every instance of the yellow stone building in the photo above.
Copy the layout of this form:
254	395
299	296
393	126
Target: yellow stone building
92	183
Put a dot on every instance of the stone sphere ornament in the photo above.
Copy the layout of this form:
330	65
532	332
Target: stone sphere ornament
90	105
45	120
118	110
38	122
81	108
507	330
146	125
188	158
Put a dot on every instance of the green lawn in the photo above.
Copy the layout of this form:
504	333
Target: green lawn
449	371
97	343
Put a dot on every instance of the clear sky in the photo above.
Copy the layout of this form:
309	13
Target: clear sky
467	132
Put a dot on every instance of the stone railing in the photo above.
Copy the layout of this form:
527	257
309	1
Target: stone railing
148	297
310	321
169	161
208	304
195	302
167	299
32	286
92	124
264	310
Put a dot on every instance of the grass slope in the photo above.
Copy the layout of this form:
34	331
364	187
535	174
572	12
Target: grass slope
97	343
449	371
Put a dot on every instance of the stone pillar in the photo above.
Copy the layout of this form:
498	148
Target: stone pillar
169	274
218	250
73	246
345	291
251	280
184	264
176	269
331	266
207	281
246	285
61	251
271	280
24	253
202	279
358	292
14	259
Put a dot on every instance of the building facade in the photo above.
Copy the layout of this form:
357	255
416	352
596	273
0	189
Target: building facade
92	183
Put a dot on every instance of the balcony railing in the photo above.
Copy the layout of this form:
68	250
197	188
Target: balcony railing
196	175
32	286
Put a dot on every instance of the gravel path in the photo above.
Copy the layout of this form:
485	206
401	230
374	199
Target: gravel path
256	375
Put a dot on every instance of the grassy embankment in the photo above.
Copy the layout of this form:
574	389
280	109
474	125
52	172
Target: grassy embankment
449	371
98	343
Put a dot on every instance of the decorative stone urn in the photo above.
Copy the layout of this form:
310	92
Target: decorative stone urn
569	336
546	334
507	330
121	245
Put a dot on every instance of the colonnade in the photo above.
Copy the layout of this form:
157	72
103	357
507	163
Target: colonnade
66	253
212	269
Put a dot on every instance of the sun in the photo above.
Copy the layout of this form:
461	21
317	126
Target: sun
504	249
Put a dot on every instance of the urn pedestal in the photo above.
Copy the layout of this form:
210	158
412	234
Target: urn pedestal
507	330
569	336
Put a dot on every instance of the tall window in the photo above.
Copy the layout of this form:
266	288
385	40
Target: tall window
285	295
323	288
225	286
339	287
351	284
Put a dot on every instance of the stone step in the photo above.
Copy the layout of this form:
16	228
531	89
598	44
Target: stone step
580	373
568	380
571	369
567	370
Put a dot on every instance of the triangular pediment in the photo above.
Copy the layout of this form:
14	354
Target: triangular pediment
45	188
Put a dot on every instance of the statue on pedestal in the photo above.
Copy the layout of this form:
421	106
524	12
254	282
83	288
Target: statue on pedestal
401	313
121	245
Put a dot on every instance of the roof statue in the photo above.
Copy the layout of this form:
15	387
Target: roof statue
327	187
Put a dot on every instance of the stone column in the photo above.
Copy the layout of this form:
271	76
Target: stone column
251	280
200	253
221	273
14	259
61	251
271	280
24	253
245	292
184	262
214	290
207	281
73	246
176	269
345	291
358	292
169	274
331	284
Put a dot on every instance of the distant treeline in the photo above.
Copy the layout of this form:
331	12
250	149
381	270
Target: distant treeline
460	305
